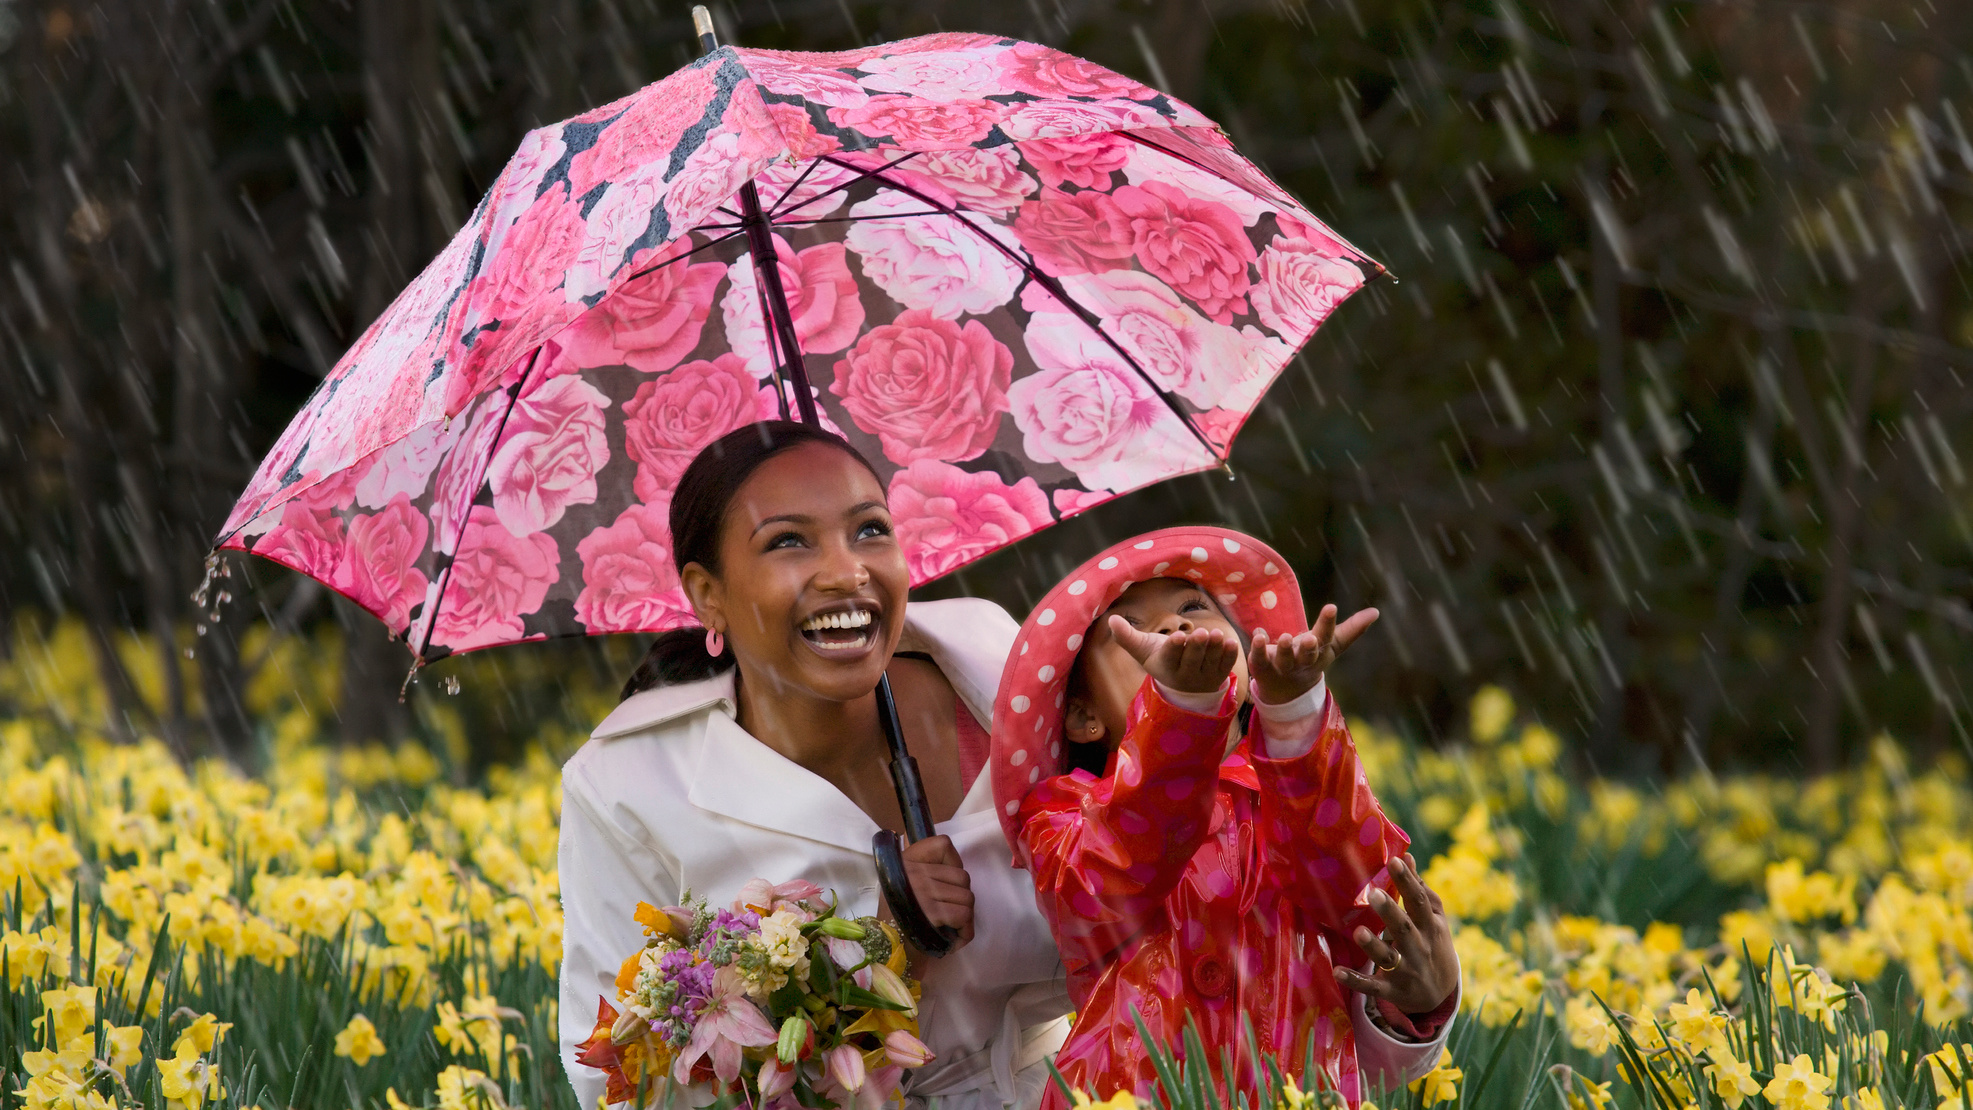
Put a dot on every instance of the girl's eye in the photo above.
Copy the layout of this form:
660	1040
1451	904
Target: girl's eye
871	529
1192	606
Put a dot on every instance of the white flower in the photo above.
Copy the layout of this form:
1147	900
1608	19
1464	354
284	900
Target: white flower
781	937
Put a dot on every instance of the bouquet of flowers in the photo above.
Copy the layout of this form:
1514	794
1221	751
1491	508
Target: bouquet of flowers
775	1001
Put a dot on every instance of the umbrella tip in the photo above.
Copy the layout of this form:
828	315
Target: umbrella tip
702	26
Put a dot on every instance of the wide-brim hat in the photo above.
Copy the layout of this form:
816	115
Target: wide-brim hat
1250	580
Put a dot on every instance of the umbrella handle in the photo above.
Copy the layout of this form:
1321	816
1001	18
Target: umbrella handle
888	847
932	940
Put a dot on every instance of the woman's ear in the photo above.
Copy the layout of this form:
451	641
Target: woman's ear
1080	724
708	597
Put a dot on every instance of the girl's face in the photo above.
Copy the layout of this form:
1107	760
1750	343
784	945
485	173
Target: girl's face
1108	678
812	581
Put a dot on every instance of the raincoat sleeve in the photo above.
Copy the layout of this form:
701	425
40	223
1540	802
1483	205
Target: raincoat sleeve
1104	853
1324	837
604	872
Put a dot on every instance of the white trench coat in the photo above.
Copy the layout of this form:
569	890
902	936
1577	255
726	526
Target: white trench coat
670	794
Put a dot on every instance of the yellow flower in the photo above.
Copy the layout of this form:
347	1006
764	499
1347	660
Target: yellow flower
1696	1025
1122	1100
1492	712
187	1080
1589	1027
199	1037
1441	1084
1733	1080
461	1088
359	1041
1866	1098
126	1046
74	1011
1595	1096
1797	1086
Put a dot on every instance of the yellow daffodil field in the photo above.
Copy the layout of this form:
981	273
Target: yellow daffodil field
377	928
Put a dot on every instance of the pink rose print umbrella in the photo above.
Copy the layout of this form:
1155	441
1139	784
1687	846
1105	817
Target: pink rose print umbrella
1020	283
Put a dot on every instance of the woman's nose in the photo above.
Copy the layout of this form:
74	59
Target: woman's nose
841	570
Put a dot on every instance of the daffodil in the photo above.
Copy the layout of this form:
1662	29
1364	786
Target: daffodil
1441	1084
1733	1080
1797	1085
359	1041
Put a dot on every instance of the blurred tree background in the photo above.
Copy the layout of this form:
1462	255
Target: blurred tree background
1664	426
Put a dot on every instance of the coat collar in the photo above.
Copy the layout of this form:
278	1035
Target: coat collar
737	776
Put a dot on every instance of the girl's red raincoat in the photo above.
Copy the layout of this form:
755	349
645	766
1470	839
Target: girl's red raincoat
1190	882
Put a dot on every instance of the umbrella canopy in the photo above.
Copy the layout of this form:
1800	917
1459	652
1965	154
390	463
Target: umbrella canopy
1021	283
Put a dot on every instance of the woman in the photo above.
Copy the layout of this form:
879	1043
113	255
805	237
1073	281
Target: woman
751	748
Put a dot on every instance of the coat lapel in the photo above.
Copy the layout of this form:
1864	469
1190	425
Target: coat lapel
739	777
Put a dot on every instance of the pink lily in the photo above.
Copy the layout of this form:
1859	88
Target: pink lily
776	1078
729	1023
878	1091
906	1050
845	1065
764	898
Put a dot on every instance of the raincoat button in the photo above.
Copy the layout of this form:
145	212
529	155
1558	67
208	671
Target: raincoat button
1209	976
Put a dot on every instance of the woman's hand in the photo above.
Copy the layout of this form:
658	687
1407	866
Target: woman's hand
938	877
1416	966
1285	669
1195	662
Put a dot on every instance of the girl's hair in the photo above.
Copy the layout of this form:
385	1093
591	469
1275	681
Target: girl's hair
698	512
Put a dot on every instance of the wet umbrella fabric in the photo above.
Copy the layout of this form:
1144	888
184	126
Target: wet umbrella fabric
1020	283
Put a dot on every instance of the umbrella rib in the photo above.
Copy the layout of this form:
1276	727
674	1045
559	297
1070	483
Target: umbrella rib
445	580
1055	289
790	190
860	173
682	257
1203	168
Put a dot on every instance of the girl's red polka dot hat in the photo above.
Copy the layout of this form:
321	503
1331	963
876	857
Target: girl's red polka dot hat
1250	580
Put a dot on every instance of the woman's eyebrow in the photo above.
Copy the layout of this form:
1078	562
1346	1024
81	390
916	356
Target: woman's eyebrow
864	507
784	518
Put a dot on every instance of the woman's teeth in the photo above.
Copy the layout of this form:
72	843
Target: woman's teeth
854	618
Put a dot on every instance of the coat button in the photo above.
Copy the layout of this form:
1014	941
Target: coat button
1209	976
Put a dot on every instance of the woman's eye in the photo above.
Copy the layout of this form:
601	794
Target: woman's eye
785	539
871	529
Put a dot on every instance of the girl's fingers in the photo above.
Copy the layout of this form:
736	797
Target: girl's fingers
1417	900
1380	951
1364	984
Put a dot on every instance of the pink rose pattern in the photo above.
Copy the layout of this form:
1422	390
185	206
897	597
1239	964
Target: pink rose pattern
948	517
507	435
550	449
628	581
497	578
927	388
822	297
672	418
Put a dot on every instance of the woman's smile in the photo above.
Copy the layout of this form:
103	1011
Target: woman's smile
843	630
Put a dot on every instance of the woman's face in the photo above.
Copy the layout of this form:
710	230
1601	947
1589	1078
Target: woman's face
812	582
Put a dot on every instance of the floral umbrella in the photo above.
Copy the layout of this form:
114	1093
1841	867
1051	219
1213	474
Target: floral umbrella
1022	284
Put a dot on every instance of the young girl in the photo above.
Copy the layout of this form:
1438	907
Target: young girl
1230	863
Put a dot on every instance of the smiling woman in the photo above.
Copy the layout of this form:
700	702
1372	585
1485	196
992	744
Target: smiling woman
751	747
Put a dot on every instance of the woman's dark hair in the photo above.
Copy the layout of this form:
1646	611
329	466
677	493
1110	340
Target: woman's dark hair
698	511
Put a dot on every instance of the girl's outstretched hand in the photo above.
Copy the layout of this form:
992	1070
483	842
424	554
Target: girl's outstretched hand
1417	969
1289	667
1195	662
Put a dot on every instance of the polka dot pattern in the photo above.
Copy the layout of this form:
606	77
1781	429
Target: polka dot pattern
1250	580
